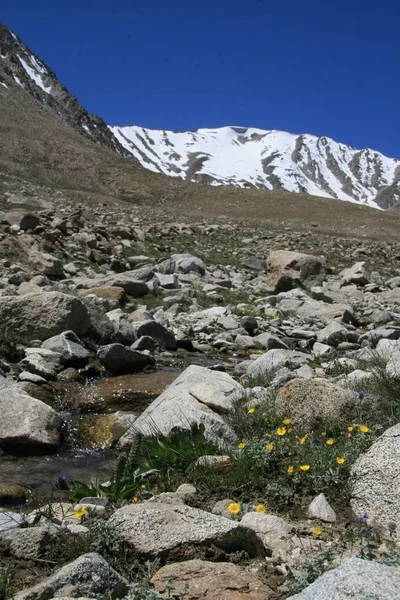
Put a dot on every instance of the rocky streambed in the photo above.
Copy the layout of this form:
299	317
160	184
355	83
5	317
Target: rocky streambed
276	376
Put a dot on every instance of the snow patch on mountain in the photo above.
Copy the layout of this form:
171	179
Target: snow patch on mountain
251	157
35	72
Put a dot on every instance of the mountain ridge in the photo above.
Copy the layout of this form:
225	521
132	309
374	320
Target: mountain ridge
271	159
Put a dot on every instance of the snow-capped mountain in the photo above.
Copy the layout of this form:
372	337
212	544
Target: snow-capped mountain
249	157
21	70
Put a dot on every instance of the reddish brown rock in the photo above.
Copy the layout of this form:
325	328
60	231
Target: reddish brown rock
212	581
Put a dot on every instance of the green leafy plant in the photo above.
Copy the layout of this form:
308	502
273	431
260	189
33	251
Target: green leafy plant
311	569
5	583
126	479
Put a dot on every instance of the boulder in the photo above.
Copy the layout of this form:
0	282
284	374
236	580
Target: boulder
118	359
46	264
333	334
274	532
132	287
42	362
158	529
89	575
28	542
27	426
211	581
374	483
197	396
124	333
108	292
287	270
156	331
312	402
187	263
272	361
39	316
29	221
355	579
357	274
70	348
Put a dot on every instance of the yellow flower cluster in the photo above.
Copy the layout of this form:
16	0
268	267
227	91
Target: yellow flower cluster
234	508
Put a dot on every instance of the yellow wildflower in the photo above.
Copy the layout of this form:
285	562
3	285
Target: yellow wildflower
251	410
135	500
330	442
323	434
80	512
286	421
290	469
364	428
281	430
241	445
304	467
302	440
234	508
260	508
340	460
317	531
143	486
269	447
350	428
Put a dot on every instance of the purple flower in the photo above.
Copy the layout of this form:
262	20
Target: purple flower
365	516
62	482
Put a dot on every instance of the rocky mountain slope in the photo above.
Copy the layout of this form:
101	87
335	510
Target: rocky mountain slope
250	157
19	67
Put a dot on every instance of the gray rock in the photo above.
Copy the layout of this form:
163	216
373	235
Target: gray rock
374	483
357	579
25	376
333	334
119	359
187	263
45	264
271	362
43	315
255	264
124	332
287	270
193	398
312	402
269	341
89	575
42	362
69	346
145	342
156	331
10	520
322	350
273	531
27	426
132	287
155	529
356	274
321	509
28	542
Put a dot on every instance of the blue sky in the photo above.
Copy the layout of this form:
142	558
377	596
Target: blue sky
327	68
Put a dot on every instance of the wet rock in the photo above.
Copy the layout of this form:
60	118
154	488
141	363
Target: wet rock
117	359
12	494
156	331
28	426
42	362
69	347
197	396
